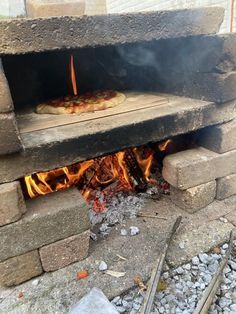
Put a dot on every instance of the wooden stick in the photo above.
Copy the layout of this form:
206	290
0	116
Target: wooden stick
150	216
209	294
156	273
232	16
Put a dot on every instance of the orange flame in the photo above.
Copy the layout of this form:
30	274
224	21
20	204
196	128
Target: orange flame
73	76
164	145
89	175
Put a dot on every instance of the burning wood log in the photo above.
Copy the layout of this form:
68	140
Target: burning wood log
135	170
156	273
209	294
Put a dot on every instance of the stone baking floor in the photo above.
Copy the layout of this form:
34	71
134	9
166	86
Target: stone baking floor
57	292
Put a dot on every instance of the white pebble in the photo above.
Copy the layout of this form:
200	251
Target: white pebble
225	246
134	230
223	219
187	266
195	260
232	264
123	232
179	270
204	258
181	245
35	282
102	266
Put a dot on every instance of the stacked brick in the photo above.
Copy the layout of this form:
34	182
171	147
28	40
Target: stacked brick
198	176
43	234
38	235
10	140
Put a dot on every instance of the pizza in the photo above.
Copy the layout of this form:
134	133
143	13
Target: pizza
88	102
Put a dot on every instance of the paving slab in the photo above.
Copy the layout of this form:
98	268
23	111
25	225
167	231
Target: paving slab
21	36
57	292
47	149
219	138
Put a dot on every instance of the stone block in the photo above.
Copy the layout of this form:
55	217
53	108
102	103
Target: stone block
10	139
45	8
203	54
48	219
65	252
194	198
216	87
6	104
36	35
21	268
226	187
219	138
196	166
12	204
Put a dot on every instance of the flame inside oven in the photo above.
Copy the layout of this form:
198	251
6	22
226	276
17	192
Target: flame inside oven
128	170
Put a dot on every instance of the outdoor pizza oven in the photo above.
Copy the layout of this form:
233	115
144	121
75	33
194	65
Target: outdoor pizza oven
178	78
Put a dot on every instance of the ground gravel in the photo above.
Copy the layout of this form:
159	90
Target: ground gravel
184	286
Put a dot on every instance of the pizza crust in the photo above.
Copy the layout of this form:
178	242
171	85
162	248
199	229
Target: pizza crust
64	108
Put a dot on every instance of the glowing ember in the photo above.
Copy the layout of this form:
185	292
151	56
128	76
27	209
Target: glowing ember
164	145
72	74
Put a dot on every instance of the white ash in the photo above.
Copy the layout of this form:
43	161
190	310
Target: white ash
186	284
120	207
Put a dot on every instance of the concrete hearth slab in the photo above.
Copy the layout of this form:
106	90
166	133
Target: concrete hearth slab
48	149
57	292
21	36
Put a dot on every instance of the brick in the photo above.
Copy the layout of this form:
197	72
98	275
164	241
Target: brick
226	187
21	268
194	198
9	135
196	166
219	138
203	54
65	252
35	35
12	204
216	87
6	104
45	8
48	219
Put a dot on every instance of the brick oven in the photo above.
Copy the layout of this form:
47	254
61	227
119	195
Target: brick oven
179	78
